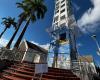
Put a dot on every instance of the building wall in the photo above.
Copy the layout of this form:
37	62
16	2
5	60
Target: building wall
88	63
63	56
60	14
87	70
34	56
88	67
30	55
43	58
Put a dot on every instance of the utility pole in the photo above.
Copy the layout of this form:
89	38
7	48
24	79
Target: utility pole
97	44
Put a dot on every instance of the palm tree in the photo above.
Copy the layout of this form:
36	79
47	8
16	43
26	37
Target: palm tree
21	19
8	22
33	9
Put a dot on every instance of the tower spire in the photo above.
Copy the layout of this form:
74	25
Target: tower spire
63	30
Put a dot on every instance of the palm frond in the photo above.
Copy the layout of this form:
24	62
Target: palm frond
19	4
8	21
33	18
31	7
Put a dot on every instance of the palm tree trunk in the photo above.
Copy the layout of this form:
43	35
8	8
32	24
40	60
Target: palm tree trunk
22	34
3	32
18	26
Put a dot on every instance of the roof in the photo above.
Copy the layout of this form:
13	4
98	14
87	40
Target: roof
87	58
36	47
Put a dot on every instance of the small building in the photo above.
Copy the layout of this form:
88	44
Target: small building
87	67
33	52
87	63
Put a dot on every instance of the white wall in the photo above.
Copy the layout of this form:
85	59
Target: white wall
23	46
29	56
34	56
61	14
43	58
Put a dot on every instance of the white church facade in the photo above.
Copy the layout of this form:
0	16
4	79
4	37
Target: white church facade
32	52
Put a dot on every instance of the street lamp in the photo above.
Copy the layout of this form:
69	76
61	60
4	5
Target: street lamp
97	44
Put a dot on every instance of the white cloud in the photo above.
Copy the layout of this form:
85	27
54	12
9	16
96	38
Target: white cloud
45	46
91	18
78	45
3	42
76	7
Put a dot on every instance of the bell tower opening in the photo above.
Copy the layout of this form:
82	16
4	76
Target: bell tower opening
62	37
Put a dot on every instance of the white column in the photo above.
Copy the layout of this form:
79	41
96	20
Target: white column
23	57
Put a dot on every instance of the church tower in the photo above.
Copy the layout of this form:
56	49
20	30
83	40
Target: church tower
63	31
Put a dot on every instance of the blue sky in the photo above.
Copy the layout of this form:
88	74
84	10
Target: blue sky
86	13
